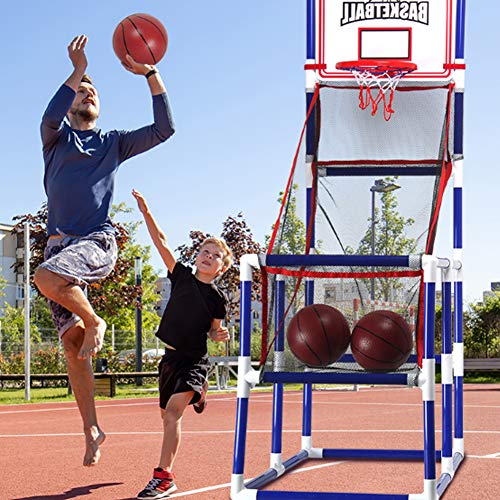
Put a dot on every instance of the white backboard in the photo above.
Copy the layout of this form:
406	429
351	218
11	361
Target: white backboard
422	32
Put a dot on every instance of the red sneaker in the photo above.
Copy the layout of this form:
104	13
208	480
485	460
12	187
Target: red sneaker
160	486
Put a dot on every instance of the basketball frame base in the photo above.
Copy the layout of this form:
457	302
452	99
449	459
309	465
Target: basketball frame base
452	450
433	489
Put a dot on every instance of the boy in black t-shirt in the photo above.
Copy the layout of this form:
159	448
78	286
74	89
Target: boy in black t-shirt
196	308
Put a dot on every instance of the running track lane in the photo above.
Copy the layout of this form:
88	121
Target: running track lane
41	446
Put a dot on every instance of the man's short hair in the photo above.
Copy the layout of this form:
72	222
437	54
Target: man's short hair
227	254
86	79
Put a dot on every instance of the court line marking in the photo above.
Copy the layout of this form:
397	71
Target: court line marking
250	431
255	400
227	485
492	455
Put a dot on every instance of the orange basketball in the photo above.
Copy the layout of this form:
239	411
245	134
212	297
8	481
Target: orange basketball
142	36
381	341
318	335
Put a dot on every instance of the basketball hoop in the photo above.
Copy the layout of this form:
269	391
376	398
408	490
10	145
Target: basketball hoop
376	73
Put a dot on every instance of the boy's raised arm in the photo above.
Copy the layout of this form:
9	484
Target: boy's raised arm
157	235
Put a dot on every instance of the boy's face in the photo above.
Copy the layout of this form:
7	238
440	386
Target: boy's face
210	260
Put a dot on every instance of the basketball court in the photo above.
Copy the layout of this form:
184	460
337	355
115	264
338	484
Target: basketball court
42	446
381	147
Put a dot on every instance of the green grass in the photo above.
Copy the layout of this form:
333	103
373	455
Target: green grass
474	377
482	378
10	396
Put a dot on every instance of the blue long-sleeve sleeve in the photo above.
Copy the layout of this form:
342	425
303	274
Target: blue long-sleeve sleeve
80	165
52	121
137	141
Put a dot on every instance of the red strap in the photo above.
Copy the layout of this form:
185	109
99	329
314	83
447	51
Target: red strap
446	168
453	66
315	66
292	171
301	273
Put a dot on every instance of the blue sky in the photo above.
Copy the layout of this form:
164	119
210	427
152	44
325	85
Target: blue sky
234	73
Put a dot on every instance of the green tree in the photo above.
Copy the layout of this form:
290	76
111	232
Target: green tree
3	282
389	238
482	328
113	298
239	238
291	235
125	320
290	240
13	330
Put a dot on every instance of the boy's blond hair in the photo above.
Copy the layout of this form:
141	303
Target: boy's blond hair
228	255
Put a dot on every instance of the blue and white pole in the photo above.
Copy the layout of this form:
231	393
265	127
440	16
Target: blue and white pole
310	75
247	377
447	375
458	347
307	392
279	366
429	265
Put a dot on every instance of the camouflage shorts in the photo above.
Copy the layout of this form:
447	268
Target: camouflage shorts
80	260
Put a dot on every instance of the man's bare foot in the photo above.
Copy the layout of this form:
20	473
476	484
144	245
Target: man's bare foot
94	437
93	339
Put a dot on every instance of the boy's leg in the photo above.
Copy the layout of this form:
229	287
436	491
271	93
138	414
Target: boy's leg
162	484
172	417
82	382
73	298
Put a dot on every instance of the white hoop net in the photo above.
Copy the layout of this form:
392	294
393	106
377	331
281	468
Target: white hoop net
377	83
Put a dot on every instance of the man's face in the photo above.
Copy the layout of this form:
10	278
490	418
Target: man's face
86	102
210	260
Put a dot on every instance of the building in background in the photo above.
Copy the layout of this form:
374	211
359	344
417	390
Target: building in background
495	287
11	249
163	289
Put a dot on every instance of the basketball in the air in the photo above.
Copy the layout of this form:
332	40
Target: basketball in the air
381	341
318	335
142	36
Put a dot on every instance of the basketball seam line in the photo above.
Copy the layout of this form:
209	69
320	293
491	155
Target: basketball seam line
305	341
390	318
381	338
143	39
124	39
324	332
152	23
375	359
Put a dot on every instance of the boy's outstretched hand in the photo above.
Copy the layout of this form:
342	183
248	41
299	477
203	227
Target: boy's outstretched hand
141	201
221	334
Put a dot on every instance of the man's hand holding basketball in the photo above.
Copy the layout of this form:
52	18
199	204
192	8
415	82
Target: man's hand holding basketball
148	70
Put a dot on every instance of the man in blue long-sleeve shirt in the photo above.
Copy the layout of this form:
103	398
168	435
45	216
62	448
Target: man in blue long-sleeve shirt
80	166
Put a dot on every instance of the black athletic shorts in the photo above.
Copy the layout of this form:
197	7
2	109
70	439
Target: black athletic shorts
179	373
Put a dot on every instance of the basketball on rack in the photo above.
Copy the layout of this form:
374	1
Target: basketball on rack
142	36
318	335
381	341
